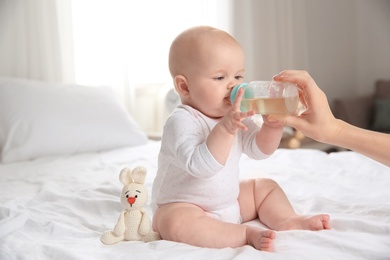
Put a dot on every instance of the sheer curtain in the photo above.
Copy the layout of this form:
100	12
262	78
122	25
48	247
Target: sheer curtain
125	44
36	40
118	43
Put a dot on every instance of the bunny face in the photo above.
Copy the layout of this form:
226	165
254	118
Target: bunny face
134	196
133	223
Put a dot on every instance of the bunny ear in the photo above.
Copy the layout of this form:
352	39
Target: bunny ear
139	174
125	176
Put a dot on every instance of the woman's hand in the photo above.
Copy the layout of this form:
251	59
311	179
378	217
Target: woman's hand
317	121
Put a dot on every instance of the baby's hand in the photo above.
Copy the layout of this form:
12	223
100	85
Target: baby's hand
232	121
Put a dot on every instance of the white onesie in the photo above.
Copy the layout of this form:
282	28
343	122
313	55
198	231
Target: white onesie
187	172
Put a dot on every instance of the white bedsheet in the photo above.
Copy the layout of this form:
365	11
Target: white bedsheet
57	207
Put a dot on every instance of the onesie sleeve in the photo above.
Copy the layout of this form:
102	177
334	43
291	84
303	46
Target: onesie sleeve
249	146
185	135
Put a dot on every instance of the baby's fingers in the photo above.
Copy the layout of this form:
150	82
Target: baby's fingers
237	124
237	100
242	116
247	114
239	116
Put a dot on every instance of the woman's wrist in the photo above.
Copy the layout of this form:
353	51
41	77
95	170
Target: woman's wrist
335	132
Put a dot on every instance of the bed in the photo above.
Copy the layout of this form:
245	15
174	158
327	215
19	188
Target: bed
62	148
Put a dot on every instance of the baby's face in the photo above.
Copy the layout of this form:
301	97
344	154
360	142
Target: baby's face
216	70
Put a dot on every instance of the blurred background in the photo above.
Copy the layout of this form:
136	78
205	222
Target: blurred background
344	44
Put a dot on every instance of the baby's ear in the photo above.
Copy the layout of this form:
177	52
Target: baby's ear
181	86
125	176
139	174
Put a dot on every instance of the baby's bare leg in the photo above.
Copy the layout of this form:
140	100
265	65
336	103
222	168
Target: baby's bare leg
263	198
187	223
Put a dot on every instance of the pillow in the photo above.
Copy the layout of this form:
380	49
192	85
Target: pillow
382	115
41	119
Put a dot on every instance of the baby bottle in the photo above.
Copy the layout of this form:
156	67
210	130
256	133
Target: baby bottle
268	97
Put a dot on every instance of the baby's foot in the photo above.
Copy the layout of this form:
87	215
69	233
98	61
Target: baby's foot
317	222
260	239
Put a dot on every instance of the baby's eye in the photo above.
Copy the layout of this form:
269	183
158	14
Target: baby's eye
239	77
219	78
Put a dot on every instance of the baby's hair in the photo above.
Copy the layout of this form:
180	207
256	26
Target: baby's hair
186	46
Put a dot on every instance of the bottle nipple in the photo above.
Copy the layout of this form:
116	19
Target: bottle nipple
248	93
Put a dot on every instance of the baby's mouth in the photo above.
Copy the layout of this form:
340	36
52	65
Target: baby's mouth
227	99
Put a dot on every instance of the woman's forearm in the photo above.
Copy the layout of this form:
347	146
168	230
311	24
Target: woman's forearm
372	144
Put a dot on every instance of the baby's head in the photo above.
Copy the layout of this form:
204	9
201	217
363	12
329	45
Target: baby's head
191	47
202	53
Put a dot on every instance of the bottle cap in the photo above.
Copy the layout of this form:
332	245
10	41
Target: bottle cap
234	92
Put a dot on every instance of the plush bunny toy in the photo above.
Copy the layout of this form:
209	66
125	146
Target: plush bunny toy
133	223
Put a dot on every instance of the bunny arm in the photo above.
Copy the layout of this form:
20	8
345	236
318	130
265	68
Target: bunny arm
120	226
144	227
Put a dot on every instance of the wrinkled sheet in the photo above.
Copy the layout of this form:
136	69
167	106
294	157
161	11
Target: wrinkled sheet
57	207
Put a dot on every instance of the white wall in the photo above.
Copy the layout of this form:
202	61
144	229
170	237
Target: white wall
344	44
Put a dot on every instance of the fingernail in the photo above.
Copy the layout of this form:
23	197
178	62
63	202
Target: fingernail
277	76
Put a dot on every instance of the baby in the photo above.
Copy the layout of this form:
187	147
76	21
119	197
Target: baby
197	196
